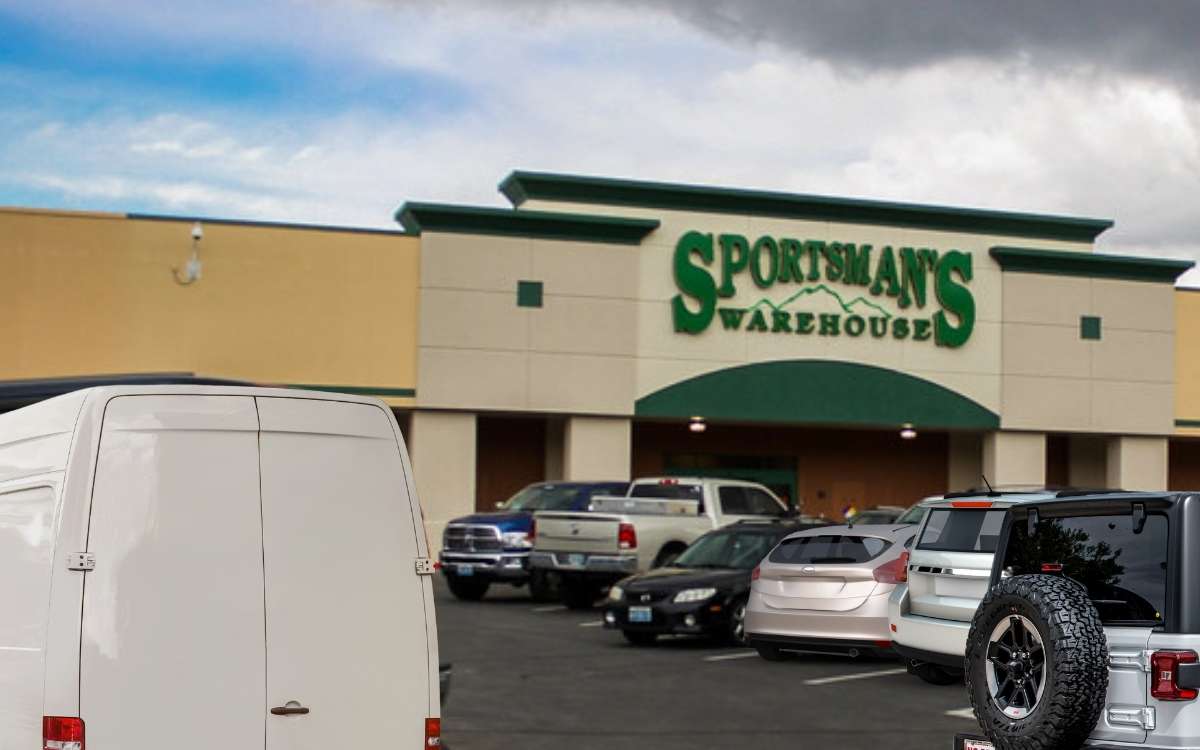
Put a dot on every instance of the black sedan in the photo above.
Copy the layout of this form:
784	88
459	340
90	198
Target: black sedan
702	592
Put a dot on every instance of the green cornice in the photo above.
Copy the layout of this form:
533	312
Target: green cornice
439	217
1093	265
818	392
519	187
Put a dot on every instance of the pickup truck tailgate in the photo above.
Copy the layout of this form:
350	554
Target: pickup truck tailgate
572	532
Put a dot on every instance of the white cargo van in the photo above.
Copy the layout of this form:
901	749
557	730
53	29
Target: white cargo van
212	567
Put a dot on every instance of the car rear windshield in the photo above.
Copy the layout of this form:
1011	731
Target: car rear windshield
726	549
1124	572
667	491
962	530
829	549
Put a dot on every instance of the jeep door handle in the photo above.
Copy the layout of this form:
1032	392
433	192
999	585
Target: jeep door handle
291	708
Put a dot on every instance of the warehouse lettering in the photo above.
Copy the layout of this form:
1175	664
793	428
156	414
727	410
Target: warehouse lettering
851	278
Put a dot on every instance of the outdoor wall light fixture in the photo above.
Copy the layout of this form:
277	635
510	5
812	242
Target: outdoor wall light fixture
191	270
907	432
697	424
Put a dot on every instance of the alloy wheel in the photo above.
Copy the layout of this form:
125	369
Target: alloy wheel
1016	666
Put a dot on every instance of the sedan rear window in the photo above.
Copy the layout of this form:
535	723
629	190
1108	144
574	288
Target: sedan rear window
962	530
829	549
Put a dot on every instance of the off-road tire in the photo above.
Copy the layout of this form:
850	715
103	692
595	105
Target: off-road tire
541	587
769	652
936	674
1075	654
467	589
640	638
578	595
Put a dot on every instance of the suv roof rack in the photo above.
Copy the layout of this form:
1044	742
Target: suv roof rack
1054	490
1083	492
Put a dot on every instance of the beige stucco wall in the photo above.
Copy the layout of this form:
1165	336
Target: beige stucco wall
1014	458
605	335
1137	463
596	447
1053	379
1187	361
442	448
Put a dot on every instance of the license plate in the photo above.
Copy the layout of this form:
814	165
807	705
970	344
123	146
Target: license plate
576	560
640	614
465	570
972	744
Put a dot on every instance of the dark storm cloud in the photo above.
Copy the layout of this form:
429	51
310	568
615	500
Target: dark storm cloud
1157	38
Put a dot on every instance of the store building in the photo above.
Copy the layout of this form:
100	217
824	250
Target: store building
845	352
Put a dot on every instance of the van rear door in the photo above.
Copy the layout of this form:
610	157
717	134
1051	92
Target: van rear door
172	651
346	622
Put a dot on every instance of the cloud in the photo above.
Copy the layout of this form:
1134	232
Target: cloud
703	94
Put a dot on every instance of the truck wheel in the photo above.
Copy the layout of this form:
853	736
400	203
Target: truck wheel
468	590
1037	664
579	595
639	638
541	588
936	674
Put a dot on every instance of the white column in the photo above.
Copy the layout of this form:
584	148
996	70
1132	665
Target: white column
442	449
1137	463
596	448
1014	458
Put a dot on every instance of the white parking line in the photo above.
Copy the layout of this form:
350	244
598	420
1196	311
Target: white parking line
858	676
555	608
727	657
962	713
591	624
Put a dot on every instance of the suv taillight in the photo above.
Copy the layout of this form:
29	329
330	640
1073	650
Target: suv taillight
895	571
626	536
62	733
433	733
1164	675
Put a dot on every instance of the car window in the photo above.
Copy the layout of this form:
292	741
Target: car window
914	514
829	549
1125	573
726	549
733	500
667	490
761	503
962	530
543	497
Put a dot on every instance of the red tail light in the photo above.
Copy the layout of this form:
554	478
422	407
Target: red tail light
1052	567
626	536
757	573
62	733
971	504
1164	675
894	571
433	733
532	531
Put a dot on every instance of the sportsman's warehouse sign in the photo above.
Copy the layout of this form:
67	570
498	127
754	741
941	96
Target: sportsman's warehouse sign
822	288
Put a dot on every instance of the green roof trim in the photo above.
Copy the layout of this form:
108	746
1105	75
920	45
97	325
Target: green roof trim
1092	265
1187	422
521	186
441	217
357	390
818	392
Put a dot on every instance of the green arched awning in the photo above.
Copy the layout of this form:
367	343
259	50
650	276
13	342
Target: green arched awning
818	392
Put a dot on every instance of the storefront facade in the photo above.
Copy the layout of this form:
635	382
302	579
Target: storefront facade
846	353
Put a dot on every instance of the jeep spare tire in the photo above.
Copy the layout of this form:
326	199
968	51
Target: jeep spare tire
1037	664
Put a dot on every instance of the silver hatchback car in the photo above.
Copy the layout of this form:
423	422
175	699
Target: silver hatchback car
827	590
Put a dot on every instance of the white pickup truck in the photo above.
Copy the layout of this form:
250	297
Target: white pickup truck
649	527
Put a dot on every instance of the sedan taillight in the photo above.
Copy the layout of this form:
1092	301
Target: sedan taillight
894	571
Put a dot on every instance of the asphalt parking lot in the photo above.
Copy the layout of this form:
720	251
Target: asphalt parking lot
540	676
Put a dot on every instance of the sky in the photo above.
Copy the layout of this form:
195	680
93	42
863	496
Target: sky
337	111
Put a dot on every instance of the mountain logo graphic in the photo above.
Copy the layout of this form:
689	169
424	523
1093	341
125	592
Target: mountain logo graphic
848	307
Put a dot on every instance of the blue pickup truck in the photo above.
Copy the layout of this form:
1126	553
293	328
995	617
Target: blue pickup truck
487	548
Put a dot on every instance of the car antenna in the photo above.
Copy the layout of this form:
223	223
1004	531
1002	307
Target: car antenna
987	484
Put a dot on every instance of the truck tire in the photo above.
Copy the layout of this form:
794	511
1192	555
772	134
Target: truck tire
1037	664
541	587
935	674
578	595
467	589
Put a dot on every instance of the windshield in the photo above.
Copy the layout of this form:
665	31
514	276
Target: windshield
543	497
726	549
915	514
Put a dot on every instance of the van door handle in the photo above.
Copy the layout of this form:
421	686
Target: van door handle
291	708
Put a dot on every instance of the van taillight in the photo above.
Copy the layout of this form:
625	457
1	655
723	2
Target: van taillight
895	571
1164	675
626	536
757	573
62	733
433	733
